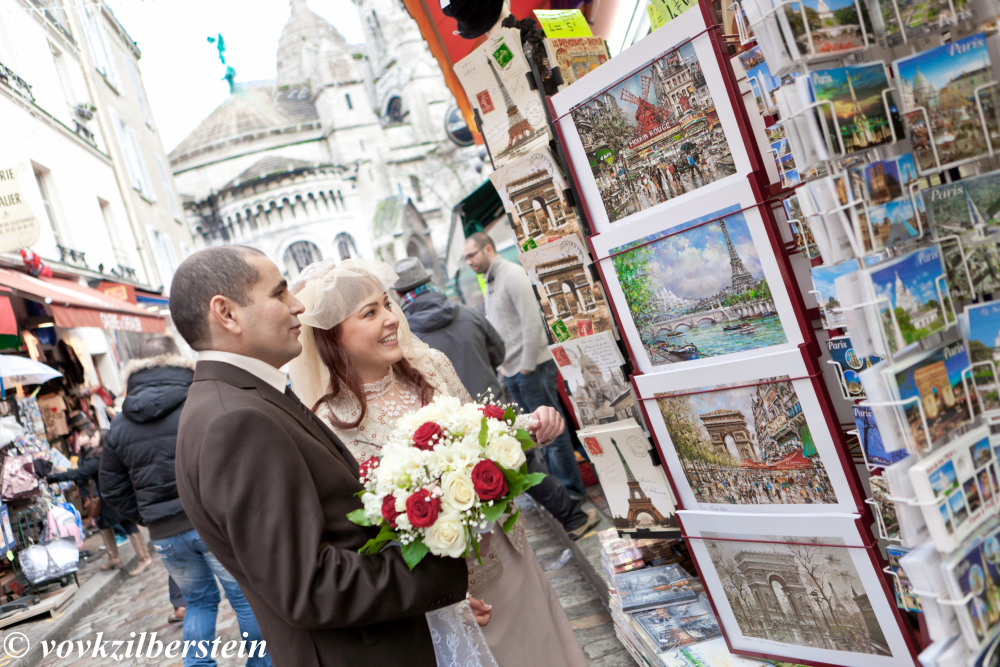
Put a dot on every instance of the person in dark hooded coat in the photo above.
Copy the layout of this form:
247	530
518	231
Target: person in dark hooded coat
467	339
138	479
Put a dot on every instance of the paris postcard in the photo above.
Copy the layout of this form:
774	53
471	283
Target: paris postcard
637	490
862	117
829	28
981	324
949	113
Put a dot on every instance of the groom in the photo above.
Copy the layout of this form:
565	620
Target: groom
268	486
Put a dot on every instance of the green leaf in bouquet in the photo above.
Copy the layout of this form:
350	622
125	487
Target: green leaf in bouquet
508	525
414	552
510	415
484	433
495	511
523	437
533	479
377	543
359	517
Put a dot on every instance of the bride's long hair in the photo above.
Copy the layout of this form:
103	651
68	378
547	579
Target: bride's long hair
344	376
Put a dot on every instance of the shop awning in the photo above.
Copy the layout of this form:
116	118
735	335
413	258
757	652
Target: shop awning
74	305
479	209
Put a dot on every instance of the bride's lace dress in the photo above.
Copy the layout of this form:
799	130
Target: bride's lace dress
528	626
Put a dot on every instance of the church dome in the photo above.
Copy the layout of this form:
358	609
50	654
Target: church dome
312	51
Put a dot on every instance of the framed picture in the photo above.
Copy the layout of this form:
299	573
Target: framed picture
651	125
806	589
699	285
751	437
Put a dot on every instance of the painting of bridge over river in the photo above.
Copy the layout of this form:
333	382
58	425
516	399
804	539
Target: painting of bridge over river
698	290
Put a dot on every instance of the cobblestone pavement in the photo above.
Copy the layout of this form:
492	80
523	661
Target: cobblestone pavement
141	604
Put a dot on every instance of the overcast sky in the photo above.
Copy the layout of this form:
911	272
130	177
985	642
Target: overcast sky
181	70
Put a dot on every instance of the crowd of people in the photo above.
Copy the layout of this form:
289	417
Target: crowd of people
212	455
759	486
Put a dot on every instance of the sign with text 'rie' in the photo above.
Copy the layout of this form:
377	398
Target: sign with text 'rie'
19	228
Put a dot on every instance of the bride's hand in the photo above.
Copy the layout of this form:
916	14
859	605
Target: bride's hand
547	423
482	611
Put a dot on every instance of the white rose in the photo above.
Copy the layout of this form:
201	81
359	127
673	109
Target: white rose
447	536
506	451
459	493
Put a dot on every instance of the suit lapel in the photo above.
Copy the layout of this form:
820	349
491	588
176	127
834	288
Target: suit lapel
223	372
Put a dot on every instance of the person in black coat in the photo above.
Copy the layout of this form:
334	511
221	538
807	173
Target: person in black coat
85	475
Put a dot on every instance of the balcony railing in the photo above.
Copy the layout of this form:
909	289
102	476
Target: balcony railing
16	83
70	256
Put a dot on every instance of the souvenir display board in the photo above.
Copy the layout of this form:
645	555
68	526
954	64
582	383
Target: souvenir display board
827	485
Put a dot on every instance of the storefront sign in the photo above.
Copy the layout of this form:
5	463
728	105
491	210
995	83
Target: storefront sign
19	228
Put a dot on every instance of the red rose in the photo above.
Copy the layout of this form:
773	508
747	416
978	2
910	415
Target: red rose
422	508
493	411
368	466
389	509
427	435
488	480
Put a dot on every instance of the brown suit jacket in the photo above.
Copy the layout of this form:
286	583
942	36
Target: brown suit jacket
268	489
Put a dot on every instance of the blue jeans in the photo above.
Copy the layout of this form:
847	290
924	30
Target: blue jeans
531	392
195	570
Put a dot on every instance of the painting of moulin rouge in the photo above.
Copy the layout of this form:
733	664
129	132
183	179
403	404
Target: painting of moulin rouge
654	136
698	290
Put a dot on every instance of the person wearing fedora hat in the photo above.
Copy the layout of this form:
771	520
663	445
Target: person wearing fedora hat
463	335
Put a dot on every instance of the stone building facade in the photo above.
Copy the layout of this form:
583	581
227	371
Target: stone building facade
344	154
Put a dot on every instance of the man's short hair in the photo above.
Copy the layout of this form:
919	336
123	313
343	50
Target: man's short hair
158	346
482	239
219	271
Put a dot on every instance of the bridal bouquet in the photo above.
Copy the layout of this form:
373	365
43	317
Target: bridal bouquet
449	471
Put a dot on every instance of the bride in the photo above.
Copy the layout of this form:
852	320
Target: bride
359	370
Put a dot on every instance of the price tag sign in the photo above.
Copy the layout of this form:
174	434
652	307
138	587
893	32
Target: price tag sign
563	23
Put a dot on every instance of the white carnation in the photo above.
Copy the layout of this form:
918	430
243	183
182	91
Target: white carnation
459	493
447	536
506	451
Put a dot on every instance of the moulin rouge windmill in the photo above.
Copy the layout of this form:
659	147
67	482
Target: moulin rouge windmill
648	115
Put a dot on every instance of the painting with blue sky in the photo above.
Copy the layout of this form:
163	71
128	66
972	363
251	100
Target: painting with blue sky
687	299
937	87
761	81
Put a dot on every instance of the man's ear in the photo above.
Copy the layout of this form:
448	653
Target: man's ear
223	313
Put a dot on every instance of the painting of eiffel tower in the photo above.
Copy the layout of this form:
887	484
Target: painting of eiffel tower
638	502
638	493
742	280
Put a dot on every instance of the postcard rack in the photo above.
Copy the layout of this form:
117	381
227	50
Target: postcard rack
667	154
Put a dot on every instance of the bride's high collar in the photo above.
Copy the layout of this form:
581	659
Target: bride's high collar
375	384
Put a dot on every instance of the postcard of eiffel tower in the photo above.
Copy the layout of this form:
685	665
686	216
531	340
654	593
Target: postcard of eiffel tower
495	78
638	494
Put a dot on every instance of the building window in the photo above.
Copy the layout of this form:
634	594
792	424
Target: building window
415	186
394	110
134	161
299	255
103	57
44	179
346	247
